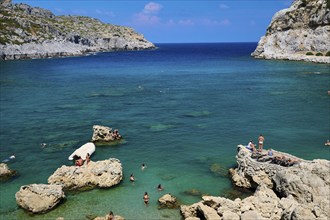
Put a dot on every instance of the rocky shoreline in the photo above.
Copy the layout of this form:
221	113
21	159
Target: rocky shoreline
300	32
300	191
30	32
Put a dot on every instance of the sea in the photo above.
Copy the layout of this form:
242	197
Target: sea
182	109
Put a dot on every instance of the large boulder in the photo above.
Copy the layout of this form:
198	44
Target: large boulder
102	174
6	172
105	134
39	198
168	201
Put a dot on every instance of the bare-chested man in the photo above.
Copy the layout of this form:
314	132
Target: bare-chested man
261	140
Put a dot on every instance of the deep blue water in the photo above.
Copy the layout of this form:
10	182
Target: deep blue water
180	108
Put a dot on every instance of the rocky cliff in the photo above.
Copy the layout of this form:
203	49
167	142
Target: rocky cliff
31	32
300	32
297	191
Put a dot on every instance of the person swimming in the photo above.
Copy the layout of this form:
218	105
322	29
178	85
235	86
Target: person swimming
146	198
131	178
160	188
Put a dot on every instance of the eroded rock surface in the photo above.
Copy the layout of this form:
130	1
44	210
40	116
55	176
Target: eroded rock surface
39	198
101	174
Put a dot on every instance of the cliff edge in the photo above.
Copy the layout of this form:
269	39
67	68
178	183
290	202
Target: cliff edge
30	32
300	32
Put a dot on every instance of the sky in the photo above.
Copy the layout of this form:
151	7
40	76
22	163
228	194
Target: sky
177	21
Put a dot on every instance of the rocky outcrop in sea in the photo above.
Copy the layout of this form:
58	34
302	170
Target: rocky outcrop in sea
104	134
39	198
31	32
103	174
300	32
294	190
6	172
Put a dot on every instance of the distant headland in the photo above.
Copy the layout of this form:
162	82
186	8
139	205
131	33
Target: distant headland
300	32
31	32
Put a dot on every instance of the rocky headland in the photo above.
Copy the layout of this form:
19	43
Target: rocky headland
299	190
31	32
300	32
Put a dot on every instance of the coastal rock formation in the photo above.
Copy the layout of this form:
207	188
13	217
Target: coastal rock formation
300	191
296	31
168	201
6	172
105	134
102	174
39	198
30	32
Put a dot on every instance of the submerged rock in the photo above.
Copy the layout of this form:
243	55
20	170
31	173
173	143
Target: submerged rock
101	174
218	170
5	172
193	192
39	198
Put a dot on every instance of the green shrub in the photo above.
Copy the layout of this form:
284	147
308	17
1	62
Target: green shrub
327	54
309	53
319	54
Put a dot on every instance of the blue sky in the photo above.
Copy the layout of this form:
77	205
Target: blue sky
177	21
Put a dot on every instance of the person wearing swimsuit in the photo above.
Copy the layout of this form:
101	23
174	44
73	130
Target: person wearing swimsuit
261	140
146	198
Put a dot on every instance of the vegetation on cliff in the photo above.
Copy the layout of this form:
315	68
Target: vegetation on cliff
22	24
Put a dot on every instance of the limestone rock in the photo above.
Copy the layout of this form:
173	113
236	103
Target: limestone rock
104	134
6	172
208	212
228	215
189	212
168	201
39	198
102	174
304	27
32	32
251	215
304	191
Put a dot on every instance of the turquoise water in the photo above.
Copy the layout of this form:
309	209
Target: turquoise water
180	108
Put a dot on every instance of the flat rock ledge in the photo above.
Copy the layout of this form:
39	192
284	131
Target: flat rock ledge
6	172
301	191
39	198
104	134
103	174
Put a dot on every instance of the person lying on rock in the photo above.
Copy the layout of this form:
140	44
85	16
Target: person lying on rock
79	162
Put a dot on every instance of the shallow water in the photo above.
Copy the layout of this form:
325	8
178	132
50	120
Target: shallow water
180	108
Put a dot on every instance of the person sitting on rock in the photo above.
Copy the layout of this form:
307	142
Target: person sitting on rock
251	146
88	158
79	162
117	135
111	216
